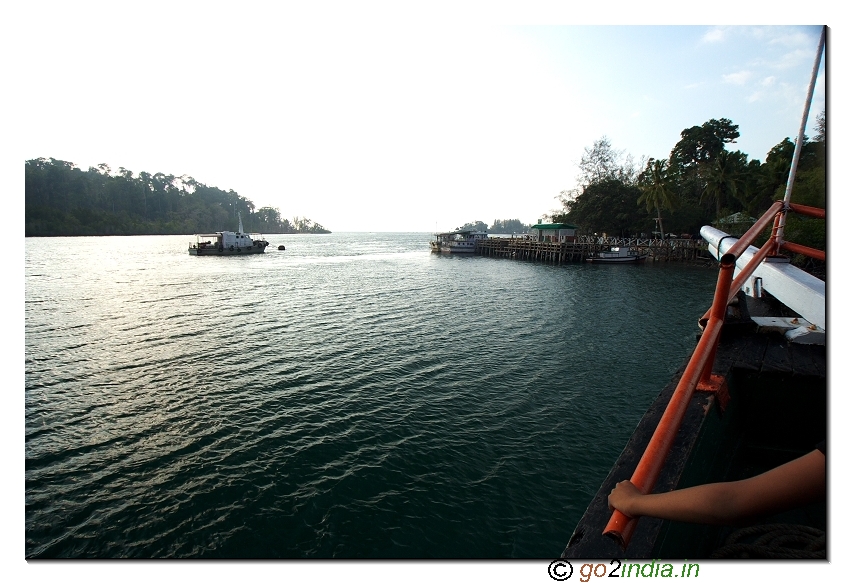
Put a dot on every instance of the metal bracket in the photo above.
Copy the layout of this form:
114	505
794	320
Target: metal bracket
754	287
716	384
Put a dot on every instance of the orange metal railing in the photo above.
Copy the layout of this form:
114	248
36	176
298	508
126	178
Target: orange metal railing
698	372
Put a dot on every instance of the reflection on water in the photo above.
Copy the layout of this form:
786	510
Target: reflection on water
352	396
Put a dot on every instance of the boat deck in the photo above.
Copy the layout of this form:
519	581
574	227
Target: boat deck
777	411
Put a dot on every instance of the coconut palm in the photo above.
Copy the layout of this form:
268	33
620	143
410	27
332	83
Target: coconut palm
724	177
656	189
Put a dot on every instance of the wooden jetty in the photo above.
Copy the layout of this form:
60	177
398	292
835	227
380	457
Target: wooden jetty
577	250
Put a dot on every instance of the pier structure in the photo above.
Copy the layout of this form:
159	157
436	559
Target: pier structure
559	252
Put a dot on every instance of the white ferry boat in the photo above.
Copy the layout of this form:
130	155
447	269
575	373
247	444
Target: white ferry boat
618	255
457	241
228	243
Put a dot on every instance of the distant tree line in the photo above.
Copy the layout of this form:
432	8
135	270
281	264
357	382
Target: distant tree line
699	183
64	200
506	227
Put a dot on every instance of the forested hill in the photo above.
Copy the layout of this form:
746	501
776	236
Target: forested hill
64	200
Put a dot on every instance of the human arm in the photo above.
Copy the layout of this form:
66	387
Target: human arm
797	482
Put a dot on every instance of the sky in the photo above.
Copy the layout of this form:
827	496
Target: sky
403	122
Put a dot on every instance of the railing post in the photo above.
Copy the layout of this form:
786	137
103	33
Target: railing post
718	307
775	234
620	526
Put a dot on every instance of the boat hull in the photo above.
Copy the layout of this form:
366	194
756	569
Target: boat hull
446	248
458	249
215	251
633	259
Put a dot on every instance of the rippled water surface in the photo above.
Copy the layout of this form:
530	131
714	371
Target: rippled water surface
352	396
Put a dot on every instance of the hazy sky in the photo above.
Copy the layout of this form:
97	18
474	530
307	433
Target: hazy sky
389	121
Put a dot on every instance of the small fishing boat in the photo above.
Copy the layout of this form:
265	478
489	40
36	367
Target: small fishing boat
228	243
618	255
457	241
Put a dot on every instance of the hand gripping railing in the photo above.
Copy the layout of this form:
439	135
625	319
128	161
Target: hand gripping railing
698	371
620	526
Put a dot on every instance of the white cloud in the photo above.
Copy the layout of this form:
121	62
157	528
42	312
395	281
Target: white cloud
788	38
794	59
768	81
738	78
714	35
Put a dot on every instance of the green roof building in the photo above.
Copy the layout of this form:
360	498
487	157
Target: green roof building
553	232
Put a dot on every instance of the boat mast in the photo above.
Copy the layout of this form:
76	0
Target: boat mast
240	223
798	146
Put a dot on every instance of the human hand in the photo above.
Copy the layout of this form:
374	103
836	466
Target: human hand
622	496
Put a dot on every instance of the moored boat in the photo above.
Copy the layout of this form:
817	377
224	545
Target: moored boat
228	243
618	255
457	241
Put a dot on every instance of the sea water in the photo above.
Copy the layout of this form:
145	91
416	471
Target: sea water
353	396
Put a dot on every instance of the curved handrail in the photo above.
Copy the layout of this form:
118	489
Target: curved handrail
701	362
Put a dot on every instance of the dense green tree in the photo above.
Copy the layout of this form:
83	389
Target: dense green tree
691	158
609	206
809	189
305	225
750	186
509	226
820	127
61	199
656	189
775	170
702	181
724	176
476	226
605	172
701	144
767	182
269	220
602	163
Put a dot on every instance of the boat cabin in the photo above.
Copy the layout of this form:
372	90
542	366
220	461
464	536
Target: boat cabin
457	241
616	252
226	239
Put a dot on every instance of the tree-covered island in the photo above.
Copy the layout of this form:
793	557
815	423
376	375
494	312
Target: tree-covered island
64	200
702	182
499	226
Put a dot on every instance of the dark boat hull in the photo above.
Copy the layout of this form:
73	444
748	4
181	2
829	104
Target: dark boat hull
215	251
776	411
633	259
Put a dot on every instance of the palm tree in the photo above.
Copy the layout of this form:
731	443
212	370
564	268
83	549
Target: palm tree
656	190
724	177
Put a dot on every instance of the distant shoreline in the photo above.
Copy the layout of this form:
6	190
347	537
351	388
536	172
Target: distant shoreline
156	235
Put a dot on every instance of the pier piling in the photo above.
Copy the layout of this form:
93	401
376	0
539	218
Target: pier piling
561	252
